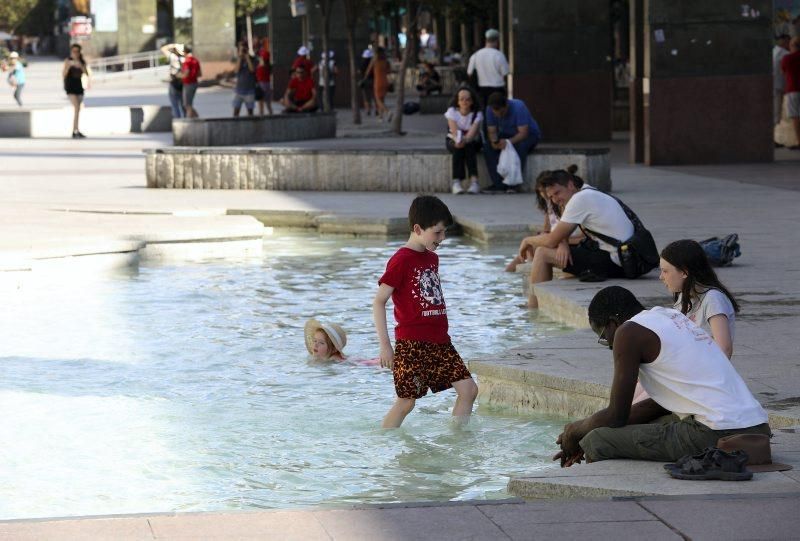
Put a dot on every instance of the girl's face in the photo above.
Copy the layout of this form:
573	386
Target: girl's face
75	52
672	277
320	346
464	100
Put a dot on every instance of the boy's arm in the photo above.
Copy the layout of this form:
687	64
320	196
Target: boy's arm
379	317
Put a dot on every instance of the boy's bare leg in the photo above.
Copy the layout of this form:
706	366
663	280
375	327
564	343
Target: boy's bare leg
401	408
542	271
467	391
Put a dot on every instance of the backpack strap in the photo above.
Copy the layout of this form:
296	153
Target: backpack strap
637	223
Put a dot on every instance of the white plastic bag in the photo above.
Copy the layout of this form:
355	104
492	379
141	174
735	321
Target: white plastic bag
508	166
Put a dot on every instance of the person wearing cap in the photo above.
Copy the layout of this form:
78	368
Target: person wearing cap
332	72
325	340
16	77
174	54
696	396
491	67
366	83
303	60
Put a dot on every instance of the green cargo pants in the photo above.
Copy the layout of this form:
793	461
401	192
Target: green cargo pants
664	440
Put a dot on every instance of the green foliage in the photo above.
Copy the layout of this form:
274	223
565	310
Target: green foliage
13	12
248	7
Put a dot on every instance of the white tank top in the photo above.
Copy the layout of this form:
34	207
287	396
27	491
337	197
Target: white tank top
691	375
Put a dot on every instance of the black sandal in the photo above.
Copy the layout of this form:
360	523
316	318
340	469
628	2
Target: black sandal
712	464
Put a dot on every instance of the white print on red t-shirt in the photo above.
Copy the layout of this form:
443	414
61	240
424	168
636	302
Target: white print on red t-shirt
428	292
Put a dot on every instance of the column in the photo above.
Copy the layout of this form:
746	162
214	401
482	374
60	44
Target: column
707	82
562	66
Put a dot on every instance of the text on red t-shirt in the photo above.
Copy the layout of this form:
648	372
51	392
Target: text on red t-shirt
419	306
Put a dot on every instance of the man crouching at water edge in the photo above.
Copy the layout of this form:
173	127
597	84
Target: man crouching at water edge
696	396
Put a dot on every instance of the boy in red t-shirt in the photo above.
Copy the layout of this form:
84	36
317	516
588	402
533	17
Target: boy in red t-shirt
423	358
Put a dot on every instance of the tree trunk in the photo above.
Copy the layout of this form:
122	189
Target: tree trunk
448	32
464	42
409	59
351	18
477	33
325	7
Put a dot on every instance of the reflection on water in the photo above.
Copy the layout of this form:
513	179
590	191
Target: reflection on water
187	387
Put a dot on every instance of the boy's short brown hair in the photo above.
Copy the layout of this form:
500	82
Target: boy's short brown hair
427	211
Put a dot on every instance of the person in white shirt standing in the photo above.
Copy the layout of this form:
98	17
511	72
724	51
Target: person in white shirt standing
696	395
780	50
491	66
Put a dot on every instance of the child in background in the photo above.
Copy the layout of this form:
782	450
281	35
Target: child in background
325	341
423	358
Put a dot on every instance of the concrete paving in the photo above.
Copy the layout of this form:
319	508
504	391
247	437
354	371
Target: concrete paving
61	198
763	516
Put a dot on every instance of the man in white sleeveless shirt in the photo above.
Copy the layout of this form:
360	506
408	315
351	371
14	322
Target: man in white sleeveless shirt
696	395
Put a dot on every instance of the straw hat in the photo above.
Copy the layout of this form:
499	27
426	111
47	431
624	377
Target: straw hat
14	54
757	448
335	333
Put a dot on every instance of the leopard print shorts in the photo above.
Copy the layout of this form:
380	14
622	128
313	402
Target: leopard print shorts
419	366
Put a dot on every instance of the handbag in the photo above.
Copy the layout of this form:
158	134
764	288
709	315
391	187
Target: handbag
638	255
721	251
176	82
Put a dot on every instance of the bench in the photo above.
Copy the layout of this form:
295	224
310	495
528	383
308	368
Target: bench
94	121
245	130
336	169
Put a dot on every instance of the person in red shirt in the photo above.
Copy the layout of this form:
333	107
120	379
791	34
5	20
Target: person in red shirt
424	357
790	65
301	94
190	72
303	61
263	77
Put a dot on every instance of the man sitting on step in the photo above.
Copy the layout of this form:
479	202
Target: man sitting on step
696	395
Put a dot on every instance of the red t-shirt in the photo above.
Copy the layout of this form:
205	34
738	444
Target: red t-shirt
419	307
303	89
192	68
790	65
263	73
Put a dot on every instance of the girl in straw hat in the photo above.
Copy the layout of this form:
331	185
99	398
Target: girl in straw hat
325	341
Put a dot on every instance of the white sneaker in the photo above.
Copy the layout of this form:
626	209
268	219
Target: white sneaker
474	188
457	188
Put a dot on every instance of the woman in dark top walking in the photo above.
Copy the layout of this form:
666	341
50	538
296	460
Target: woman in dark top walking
74	68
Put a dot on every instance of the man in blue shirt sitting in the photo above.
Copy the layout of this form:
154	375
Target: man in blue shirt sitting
508	120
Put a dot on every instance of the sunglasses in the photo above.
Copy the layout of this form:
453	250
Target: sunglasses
602	340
